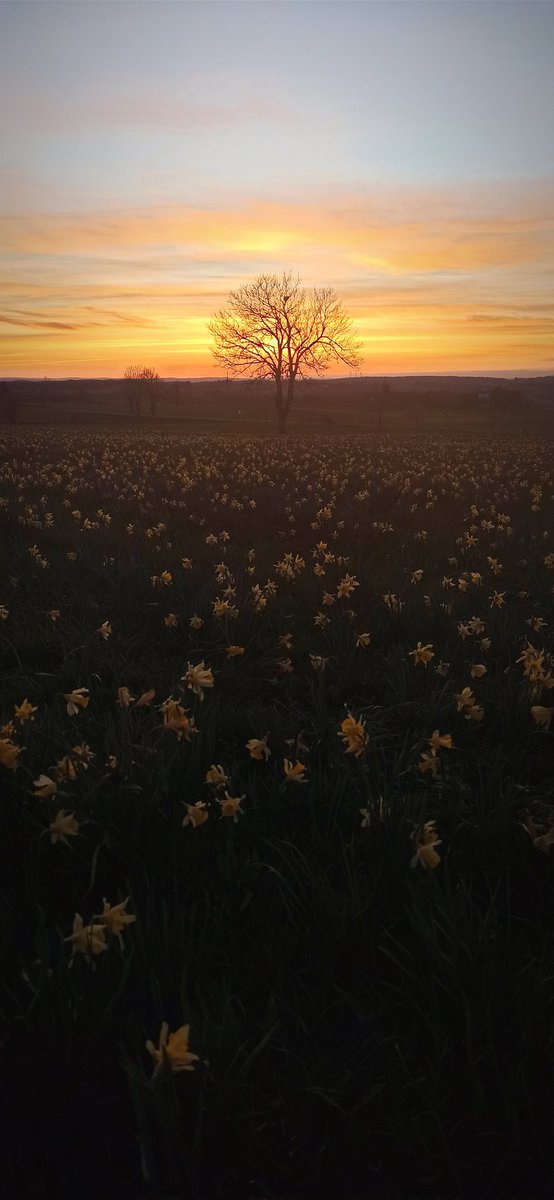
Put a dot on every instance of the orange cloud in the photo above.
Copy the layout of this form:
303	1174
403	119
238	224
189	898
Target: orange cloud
429	286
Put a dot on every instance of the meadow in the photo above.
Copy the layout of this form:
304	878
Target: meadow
277	808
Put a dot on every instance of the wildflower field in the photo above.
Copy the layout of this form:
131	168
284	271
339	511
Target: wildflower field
277	808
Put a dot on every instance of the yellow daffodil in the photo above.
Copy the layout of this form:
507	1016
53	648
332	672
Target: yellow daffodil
422	654
230	807
88	940
216	776
429	762
196	814
63	826
438	740
172	1053
65	768
258	748
347	585
25	712
75	700
425	839
83	754
9	753
541	841
542	715
354	735
176	718
44	787
115	918
294	773
467	704
197	678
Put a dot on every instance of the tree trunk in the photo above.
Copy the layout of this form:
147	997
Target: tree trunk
282	411
281	421
283	406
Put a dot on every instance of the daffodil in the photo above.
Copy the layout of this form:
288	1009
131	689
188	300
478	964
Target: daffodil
294	773
75	700
216	776
115	918
88	940
542	715
422	654
347	585
176	718
230	807
172	1053
425	839
44	787
25	712
440	740
429	762
354	735
467	704
258	748
196	814
541	841
63	826
9	753
65	768
83	754
198	677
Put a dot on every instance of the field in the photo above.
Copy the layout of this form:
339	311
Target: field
276	769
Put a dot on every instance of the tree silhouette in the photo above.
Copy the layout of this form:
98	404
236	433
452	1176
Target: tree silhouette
274	328
139	382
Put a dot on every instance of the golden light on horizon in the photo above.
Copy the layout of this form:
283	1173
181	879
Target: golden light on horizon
440	294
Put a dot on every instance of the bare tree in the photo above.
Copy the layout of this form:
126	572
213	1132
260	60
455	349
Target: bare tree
139	382
274	328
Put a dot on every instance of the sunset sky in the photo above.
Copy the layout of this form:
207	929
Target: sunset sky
156	155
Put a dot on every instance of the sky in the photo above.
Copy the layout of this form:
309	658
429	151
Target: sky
157	155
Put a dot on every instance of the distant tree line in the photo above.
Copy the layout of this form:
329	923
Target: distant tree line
150	398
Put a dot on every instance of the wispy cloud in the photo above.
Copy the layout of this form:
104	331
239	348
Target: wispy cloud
9	320
31	111
434	280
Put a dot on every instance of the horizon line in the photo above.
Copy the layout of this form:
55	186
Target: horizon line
498	373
